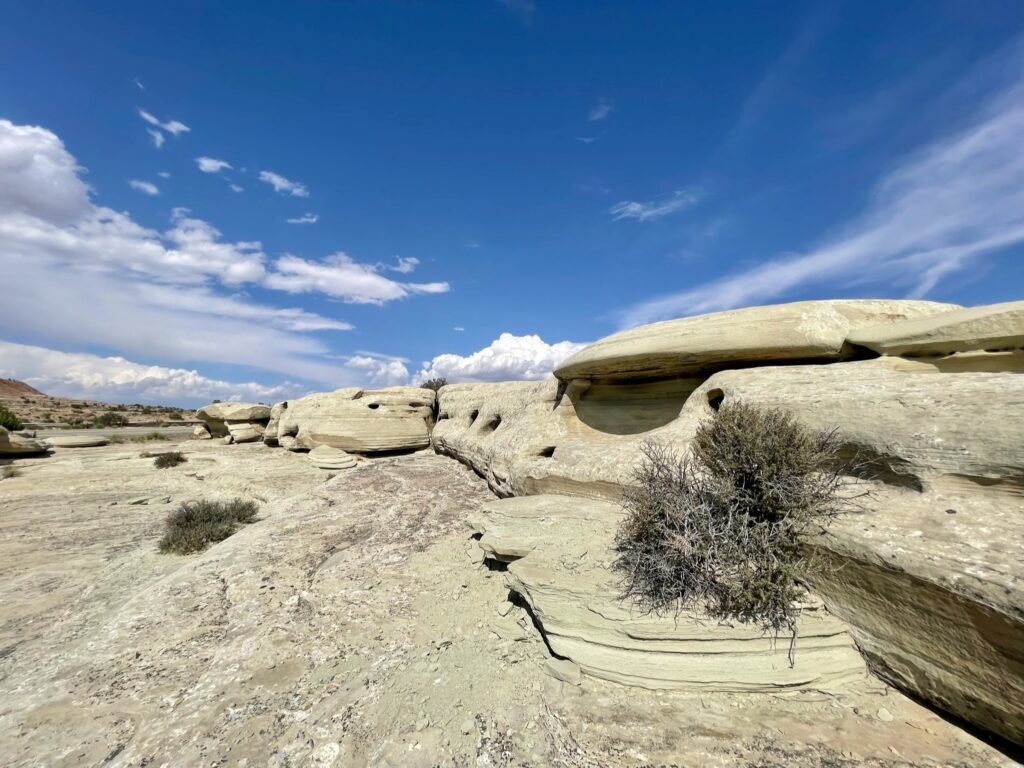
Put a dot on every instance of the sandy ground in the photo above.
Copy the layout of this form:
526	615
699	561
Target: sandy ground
348	627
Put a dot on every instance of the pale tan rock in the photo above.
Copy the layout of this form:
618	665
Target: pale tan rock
326	457
991	328
234	412
270	433
245	431
559	554
77	441
14	445
227	440
201	432
360	421
691	346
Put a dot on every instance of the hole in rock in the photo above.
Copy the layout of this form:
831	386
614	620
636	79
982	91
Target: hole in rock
472	416
546	453
373	406
493	423
715	398
442	416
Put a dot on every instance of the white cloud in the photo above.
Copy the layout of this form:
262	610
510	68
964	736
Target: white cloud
173	127
380	371
139	84
306	218
236	188
146	187
404	264
158	138
37	177
601	110
930	217
458	328
339	275
115	379
507	358
281	184
163	174
653	209
212	165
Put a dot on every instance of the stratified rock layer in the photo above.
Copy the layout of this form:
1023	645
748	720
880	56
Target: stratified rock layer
359	420
326	457
78	441
801	331
559	554
16	445
243	422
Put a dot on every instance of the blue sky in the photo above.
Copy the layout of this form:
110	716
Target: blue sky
503	180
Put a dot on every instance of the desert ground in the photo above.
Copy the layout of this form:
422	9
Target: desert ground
354	624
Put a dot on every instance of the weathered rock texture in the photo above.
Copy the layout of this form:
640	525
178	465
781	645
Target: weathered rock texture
244	422
932	564
559	554
326	457
358	420
16	445
77	441
801	331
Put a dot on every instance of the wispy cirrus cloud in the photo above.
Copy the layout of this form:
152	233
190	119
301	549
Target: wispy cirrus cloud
212	164
654	209
306	218
282	185
173	127
158	138
146	187
934	214
339	275
602	110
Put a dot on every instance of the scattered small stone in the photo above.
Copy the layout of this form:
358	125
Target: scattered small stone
467	727
885	715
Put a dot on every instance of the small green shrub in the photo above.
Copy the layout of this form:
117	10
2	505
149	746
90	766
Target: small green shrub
116	439
171	459
197	524
434	384
9	420
110	419
149	437
722	529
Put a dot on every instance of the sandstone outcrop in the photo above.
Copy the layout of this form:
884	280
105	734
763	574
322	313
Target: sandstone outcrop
358	420
201	432
244	422
78	441
15	445
800	331
558	551
326	457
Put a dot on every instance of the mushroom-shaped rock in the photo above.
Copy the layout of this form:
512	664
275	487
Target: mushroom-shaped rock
326	457
691	346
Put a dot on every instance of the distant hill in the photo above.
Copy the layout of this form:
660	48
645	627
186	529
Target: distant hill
15	388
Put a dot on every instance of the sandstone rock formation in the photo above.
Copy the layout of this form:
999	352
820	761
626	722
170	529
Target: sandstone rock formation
77	441
15	445
244	422
932	563
559	553
800	331
358	420
326	457
201	432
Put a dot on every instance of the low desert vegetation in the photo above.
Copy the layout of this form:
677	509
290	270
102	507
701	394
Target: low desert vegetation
170	459
110	419
722	529
195	525
9	420
434	384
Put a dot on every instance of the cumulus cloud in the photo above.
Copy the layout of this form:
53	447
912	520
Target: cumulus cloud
283	185
306	218
146	187
653	209
173	127
931	216
115	379
507	358
380	371
601	110
212	165
340	276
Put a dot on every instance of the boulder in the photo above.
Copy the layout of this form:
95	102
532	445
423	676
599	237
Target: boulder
995	328
78	441
248	418
245	431
15	445
692	346
270	433
558	551
201	432
326	457
358	420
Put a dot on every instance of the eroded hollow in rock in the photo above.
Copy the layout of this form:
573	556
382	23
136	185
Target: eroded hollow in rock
546	453
715	399
492	424
631	408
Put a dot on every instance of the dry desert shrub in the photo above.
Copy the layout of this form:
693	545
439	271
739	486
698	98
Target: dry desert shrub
197	524
722	529
9	420
170	459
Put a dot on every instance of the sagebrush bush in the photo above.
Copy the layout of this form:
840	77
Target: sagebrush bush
9	420
434	384
110	419
722	528
170	459
197	524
